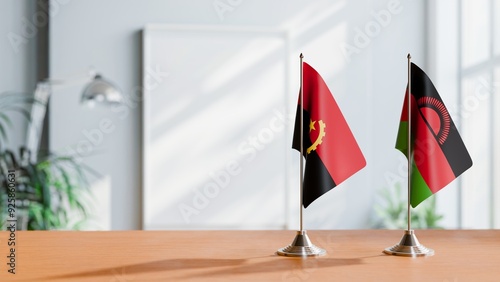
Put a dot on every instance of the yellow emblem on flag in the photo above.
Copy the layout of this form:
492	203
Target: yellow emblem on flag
321	134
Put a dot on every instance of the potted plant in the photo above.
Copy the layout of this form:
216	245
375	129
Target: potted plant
49	193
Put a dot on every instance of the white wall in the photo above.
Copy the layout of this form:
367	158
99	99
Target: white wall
368	86
18	57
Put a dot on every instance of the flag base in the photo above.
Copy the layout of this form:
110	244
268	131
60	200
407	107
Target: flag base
301	247
409	247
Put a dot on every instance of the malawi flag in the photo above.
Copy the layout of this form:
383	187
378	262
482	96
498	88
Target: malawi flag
331	152
439	154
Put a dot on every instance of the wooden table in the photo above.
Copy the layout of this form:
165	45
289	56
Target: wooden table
354	255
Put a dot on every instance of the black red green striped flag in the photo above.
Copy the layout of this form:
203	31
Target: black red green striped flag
439	154
330	150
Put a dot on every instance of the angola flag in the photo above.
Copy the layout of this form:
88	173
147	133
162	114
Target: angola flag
439	154
330	150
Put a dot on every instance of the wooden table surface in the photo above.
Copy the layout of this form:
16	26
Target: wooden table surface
354	255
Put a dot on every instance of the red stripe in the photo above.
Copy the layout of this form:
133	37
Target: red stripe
404	113
339	150
428	156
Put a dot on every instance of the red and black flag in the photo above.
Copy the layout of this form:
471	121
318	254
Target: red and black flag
439	154
330	150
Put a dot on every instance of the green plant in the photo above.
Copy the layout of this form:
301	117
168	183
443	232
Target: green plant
50	191
47	189
392	212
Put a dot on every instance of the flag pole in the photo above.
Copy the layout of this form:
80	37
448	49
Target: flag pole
409	246
301	245
409	141
301	204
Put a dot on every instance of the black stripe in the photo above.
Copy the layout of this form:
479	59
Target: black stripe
296	132
317	180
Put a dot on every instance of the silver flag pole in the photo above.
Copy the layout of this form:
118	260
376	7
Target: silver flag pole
409	245
301	245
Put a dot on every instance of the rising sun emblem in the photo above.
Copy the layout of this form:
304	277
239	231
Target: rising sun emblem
436	117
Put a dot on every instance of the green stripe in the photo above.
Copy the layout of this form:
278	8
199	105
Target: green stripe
402	139
419	189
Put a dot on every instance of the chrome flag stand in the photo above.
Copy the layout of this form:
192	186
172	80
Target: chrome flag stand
301	245
409	245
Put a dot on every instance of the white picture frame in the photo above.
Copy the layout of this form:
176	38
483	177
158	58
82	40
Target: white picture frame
209	93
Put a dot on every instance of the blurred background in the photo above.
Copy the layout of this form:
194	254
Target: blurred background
201	138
